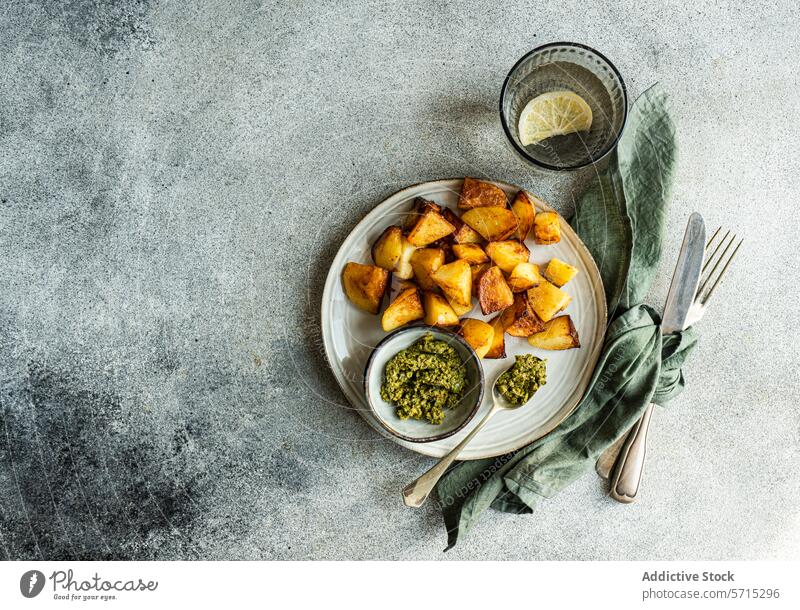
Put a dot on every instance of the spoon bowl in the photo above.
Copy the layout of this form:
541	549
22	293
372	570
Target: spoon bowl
500	400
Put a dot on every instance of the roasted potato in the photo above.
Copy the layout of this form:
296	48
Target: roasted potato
403	268
477	272
365	285
430	227
461	310
472	253
445	245
508	315
524	210
421	205
508	254
494	223
424	262
467	235
547	300
455	280
437	310
559	272
493	292
464	234
451	217
406	308
558	333
546	228
498	347
477	193
478	334
520	320
524	276
387	249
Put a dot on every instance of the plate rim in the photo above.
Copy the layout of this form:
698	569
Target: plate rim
420	448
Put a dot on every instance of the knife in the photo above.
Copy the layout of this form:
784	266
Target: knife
682	290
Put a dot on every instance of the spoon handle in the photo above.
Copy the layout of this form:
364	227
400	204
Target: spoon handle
415	494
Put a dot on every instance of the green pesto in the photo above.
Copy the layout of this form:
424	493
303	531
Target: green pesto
521	381
424	379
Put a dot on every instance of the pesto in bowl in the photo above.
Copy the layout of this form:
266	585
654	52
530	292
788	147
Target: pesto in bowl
519	383
424	379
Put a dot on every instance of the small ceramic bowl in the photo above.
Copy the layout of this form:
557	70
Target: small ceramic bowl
414	430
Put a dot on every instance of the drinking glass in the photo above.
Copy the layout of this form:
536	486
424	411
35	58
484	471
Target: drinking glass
573	67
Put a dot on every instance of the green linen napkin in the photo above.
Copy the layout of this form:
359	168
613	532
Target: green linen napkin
621	220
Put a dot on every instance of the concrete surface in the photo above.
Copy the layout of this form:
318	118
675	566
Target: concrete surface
176	177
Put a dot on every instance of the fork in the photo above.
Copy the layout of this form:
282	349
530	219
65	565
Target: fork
629	467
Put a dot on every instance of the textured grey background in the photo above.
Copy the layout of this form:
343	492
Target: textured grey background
175	179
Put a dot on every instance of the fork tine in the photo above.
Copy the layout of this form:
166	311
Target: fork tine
716	260
705	299
713	254
713	237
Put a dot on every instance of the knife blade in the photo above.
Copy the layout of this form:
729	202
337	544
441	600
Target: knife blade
686	276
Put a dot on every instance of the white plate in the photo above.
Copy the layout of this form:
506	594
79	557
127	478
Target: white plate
349	334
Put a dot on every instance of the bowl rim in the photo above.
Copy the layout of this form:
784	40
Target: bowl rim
521	151
436	329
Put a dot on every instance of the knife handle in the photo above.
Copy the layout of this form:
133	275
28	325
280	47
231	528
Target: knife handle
630	463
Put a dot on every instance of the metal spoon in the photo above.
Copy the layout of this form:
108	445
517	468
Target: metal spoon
415	494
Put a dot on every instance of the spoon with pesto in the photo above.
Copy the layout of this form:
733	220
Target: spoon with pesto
512	389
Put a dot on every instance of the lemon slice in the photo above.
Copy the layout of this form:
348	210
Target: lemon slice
556	113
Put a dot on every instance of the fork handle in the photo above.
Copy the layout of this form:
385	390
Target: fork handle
630	463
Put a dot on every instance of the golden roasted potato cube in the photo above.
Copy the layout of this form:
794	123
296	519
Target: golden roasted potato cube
493	291
403	268
421	205
524	276
472	253
445	245
461	309
424	262
387	249
493	223
558	333
508	315
559	272
520	320
451	217
406	308
467	235
454	220
478	334
547	300
477	193
525	211
508	254
477	272
437	310
455	280
498	347
546	228
430	227
464	234
365	285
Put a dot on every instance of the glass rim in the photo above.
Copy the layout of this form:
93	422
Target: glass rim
521	151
